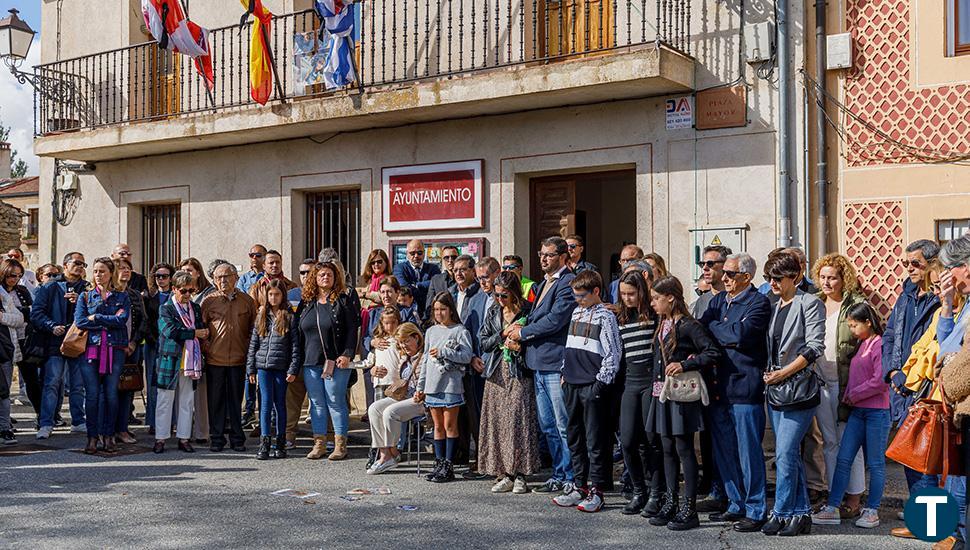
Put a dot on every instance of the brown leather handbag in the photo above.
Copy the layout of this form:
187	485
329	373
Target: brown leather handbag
927	441
75	342
132	378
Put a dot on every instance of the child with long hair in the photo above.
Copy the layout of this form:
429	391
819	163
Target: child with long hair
867	396
271	363
681	345
447	354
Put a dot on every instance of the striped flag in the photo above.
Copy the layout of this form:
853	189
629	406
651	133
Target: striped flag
260	54
174	32
338	20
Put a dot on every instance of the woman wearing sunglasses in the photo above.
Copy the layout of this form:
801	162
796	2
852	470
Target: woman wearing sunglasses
159	292
181	330
509	430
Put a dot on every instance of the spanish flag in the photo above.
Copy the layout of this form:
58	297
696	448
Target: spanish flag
260	55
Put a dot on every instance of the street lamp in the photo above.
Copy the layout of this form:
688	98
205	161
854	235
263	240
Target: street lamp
15	39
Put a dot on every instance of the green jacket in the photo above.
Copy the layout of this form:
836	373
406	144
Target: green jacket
846	346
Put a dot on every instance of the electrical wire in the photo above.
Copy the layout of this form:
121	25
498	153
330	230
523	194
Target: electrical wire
911	152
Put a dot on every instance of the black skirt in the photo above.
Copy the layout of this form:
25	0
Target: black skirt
674	418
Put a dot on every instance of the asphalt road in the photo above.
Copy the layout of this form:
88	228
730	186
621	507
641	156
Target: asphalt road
55	497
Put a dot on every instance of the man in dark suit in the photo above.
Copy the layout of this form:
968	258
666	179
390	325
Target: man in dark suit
440	282
416	273
468	295
738	319
543	340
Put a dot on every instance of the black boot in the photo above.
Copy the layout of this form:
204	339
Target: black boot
446	473
438	464
636	503
279	450
797	525
653	505
773	525
263	452
686	518
667	511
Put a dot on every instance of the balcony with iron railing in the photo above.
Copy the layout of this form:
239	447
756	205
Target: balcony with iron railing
416	60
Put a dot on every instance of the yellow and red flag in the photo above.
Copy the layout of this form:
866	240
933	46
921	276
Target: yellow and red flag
260	54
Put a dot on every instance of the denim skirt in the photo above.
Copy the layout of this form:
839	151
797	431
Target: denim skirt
443	400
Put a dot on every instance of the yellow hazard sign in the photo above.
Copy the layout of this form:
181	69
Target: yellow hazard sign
716	240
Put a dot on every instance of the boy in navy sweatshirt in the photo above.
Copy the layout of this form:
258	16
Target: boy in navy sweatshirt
590	365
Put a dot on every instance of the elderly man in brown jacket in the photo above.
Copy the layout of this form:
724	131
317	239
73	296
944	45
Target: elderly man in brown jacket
229	314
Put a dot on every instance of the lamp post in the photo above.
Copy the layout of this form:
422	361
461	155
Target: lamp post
16	37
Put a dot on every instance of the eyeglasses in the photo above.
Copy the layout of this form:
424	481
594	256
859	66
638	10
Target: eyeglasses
304	271
483	279
377	262
510	267
501	295
580	295
915	263
572	246
123	253
13	276
186	291
78	263
771	278
709	264
731	274
450	257
256	255
162	275
549	255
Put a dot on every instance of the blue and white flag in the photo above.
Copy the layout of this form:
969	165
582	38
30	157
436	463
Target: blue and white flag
338	21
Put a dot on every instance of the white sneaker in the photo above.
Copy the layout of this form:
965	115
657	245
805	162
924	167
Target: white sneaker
503	485
520	487
828	515
44	432
869	519
570	499
380	468
592	503
79	429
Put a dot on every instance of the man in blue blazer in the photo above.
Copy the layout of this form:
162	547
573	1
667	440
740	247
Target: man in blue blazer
738	319
543	341
416	273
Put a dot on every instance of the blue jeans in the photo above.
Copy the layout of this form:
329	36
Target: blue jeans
102	386
53	382
272	396
327	396
724	445
791	492
869	429
957	486
749	424
552	421
918	480
151	385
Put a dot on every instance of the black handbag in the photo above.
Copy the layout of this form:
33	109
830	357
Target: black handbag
798	392
34	347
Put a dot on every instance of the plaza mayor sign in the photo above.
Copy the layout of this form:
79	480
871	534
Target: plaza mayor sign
433	196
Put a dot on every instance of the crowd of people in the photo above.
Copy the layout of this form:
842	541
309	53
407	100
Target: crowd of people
574	371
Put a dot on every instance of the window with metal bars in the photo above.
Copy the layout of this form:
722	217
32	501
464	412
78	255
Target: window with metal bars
333	221
161	234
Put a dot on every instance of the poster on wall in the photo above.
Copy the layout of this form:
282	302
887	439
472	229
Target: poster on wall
433	196
432	249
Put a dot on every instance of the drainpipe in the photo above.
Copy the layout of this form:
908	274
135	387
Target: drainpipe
54	209
821	165
784	126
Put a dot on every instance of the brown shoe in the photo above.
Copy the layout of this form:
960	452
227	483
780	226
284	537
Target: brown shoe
319	448
339	448
92	447
902	532
946	544
845	512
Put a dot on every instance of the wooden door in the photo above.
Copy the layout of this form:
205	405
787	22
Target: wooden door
165	95
568	27
552	210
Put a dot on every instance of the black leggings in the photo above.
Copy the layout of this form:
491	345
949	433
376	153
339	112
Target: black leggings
32	377
642	452
679	452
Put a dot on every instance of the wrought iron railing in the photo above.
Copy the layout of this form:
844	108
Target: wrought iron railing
397	41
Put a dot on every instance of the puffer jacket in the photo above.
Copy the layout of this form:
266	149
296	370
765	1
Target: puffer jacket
273	352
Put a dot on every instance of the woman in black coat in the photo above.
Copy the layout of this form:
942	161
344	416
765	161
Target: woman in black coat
681	345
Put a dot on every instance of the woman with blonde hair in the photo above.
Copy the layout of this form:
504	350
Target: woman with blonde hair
388	415
839	290
658	264
325	326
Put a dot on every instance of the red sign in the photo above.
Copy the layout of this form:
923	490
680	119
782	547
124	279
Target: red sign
435	196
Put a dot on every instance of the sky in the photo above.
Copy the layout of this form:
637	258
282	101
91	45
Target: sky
16	101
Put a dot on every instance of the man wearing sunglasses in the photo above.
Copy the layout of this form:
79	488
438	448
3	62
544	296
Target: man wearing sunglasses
442	281
138	281
416	273
51	315
296	294
257	261
629	254
711	265
576	246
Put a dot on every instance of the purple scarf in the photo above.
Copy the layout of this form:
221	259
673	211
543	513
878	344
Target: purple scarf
191	351
102	353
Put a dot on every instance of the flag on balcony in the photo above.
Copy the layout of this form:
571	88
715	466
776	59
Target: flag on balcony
260	54
173	31
338	21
